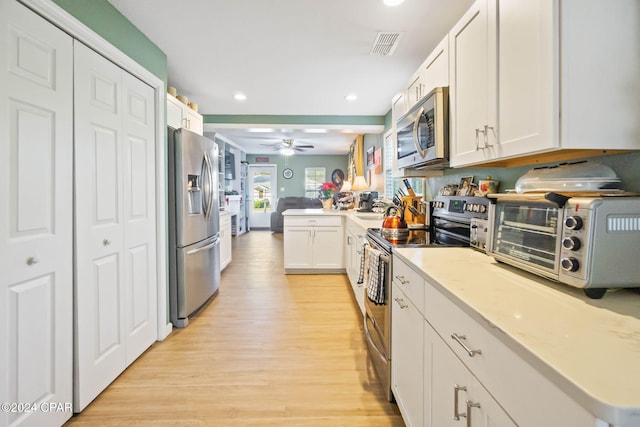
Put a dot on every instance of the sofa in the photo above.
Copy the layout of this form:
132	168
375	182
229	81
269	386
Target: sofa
291	202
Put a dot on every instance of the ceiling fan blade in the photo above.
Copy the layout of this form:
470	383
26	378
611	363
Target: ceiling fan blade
303	145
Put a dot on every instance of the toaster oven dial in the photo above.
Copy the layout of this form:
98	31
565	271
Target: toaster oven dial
573	223
572	243
569	264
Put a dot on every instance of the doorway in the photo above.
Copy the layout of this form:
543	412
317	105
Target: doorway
263	193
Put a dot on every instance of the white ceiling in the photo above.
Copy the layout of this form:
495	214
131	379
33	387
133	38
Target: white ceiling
290	58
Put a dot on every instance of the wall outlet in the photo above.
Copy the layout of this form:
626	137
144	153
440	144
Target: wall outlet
282	189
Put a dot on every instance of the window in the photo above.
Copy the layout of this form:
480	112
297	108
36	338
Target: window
313	179
388	165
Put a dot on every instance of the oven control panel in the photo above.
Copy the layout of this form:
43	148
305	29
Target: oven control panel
460	207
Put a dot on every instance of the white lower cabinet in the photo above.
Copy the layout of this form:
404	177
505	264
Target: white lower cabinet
457	397
449	369
354	252
406	358
313	243
225	240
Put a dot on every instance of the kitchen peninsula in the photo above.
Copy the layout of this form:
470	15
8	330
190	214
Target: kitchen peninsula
314	238
526	350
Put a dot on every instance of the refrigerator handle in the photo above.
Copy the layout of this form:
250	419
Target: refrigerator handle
209	246
205	170
209	204
212	187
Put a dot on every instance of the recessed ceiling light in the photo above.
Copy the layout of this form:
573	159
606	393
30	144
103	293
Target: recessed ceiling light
260	130
315	130
240	96
393	2
351	97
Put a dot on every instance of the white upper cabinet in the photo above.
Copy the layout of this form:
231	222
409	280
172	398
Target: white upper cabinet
181	116
472	81
435	69
434	72
526	79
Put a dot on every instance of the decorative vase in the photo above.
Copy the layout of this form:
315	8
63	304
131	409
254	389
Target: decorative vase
327	204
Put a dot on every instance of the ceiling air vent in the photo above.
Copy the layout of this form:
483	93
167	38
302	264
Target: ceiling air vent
384	44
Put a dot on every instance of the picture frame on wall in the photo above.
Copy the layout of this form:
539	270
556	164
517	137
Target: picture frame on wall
370	156
377	160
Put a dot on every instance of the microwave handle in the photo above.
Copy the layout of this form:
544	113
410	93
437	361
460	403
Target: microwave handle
416	124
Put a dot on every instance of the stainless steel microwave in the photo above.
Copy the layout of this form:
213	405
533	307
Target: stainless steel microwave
423	132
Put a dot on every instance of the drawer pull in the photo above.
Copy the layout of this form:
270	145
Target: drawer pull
459	338
401	303
402	279
32	260
106	242
470	405
456	389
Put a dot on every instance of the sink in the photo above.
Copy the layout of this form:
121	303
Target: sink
370	216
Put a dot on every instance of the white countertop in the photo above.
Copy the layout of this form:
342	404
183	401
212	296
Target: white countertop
363	219
589	348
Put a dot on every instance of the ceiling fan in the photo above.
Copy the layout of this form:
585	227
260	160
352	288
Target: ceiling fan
288	146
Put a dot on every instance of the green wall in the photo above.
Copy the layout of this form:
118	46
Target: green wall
297	163
104	19
626	165
266	119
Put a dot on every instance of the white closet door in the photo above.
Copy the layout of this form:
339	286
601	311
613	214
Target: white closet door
140	284
99	288
36	213
116	283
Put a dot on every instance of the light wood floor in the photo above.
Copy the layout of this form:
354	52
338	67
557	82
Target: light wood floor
269	350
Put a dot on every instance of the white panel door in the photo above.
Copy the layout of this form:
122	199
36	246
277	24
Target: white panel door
116	281
99	287
140	283
36	214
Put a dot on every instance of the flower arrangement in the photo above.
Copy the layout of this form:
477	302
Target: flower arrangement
327	190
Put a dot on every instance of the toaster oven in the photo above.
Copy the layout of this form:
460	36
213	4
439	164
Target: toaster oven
586	242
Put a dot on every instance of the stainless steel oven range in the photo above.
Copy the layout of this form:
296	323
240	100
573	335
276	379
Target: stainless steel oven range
451	225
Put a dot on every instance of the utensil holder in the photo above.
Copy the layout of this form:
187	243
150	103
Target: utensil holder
411	218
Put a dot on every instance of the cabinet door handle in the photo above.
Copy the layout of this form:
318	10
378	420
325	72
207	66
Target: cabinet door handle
478	131
401	303
459	339
486	135
470	405
402	279
457	388
32	260
106	242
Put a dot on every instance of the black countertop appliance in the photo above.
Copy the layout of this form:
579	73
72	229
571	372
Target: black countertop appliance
366	201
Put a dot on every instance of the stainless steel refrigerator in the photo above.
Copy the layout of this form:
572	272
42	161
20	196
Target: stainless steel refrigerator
194	224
